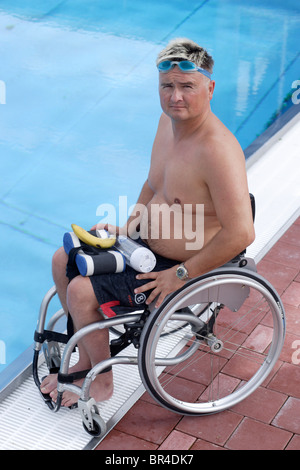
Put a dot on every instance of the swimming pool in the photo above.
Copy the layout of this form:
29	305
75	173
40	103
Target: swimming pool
81	109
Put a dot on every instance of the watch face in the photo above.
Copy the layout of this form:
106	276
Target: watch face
181	272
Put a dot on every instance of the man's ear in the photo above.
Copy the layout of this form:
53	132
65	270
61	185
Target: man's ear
211	88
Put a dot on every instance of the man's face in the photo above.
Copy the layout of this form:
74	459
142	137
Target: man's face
184	95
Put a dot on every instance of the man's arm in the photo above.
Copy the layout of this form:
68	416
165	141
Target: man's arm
226	178
144	198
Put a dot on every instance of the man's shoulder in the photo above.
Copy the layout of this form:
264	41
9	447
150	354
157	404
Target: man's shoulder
219	142
164	120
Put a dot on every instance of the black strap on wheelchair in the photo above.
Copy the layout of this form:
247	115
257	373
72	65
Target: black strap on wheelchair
49	335
253	208
70	378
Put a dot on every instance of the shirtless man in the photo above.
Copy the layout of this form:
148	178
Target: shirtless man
196	162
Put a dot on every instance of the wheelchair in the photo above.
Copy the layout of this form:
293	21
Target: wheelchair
205	332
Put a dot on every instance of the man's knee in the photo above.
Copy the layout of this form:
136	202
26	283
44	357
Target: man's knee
59	260
80	294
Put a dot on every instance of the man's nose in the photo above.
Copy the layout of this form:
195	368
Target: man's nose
176	95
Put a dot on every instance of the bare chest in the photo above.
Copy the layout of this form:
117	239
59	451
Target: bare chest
177	177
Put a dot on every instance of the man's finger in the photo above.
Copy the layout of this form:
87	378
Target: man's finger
151	275
145	287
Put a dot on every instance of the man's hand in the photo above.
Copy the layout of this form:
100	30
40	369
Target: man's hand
111	229
162	283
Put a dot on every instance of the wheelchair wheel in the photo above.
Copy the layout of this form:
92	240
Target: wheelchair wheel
99	426
225	352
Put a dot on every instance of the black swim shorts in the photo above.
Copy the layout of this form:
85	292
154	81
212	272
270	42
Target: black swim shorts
115	291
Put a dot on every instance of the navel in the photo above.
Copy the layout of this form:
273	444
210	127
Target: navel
177	201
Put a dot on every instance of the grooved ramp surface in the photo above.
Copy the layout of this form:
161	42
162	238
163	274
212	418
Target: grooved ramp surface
26	423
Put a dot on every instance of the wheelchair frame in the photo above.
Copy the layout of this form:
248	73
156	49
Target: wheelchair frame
199	306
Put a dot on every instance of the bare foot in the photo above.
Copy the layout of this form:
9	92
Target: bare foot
101	389
49	384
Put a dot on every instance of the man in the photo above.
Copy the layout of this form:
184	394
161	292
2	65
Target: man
196	163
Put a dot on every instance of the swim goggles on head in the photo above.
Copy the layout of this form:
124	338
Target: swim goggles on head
184	65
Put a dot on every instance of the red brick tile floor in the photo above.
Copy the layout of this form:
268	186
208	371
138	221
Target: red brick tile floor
267	420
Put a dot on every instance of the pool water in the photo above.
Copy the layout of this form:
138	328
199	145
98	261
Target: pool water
79	109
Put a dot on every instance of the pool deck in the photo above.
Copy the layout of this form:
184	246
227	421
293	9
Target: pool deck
268	419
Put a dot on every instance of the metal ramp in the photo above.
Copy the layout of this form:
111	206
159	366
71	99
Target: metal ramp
26	423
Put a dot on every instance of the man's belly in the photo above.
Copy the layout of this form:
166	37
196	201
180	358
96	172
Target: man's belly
177	232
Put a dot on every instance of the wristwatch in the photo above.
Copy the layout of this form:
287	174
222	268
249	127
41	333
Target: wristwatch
182	272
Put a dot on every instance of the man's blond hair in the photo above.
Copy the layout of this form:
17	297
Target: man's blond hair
186	49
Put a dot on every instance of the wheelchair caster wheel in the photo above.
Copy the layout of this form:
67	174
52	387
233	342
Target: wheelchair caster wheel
99	426
91	419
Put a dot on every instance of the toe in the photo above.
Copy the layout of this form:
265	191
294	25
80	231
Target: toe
49	383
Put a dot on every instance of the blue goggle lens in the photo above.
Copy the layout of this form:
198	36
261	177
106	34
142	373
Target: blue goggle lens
184	65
